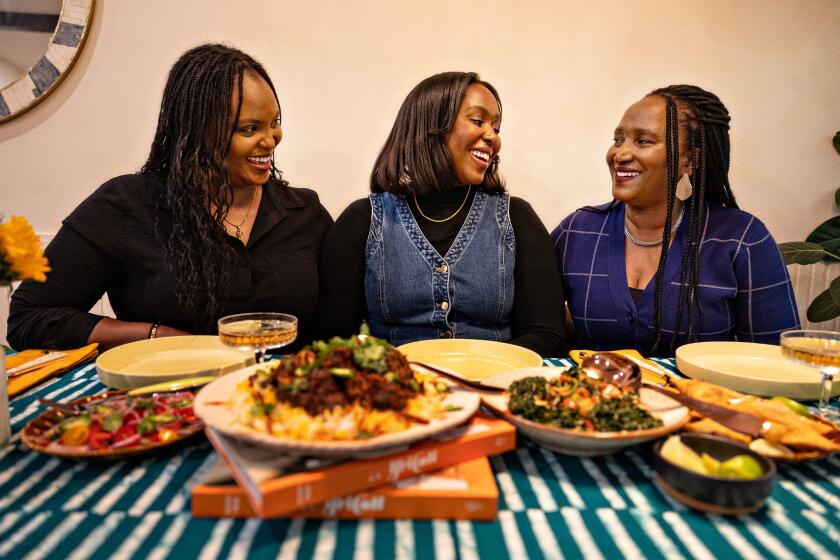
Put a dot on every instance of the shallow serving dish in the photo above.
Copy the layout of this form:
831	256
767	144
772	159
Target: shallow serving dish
713	494
211	406
34	430
578	442
755	369
473	359
158	360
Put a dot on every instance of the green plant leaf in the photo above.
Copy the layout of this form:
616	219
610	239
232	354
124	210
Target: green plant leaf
801	252
827	234
837	141
834	290
825	307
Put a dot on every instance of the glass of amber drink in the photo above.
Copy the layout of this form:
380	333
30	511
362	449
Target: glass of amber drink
258	331
818	349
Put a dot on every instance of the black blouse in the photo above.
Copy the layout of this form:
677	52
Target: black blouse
108	244
538	314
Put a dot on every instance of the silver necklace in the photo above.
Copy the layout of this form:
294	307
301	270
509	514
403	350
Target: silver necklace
641	243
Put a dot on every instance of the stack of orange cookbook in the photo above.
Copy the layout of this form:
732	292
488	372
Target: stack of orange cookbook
445	477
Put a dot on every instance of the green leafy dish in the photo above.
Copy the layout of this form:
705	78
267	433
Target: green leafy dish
565	411
573	400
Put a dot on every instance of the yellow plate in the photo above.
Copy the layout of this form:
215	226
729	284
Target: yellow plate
473	359
755	369
172	386
161	360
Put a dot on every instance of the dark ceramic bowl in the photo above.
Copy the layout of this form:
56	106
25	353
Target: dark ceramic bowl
712	494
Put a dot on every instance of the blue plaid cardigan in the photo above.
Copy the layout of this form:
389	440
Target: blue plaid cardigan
744	288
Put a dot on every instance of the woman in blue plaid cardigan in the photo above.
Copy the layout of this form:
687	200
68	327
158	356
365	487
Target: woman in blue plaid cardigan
721	276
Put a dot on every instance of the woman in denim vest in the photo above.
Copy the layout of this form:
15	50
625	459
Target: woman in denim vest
439	249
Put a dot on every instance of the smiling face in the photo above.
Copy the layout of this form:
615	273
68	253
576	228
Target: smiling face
474	139
637	158
255	135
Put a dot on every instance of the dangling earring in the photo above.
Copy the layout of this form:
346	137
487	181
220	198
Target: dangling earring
405	178
494	165
684	188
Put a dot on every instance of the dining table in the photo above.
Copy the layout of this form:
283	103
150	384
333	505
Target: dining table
550	506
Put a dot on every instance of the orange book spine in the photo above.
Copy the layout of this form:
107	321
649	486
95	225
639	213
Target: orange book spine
478	501
283	495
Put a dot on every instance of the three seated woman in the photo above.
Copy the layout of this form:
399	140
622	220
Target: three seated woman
438	249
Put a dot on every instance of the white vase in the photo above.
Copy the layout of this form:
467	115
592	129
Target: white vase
5	419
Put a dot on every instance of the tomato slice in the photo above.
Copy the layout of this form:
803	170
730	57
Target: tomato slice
99	438
166	434
126	431
75	435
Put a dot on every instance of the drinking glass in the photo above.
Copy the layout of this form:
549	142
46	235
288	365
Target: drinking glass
819	349
258	331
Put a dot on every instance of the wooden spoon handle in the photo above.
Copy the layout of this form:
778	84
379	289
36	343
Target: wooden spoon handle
453	376
743	422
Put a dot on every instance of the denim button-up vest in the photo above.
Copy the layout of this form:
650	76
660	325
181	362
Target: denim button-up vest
414	293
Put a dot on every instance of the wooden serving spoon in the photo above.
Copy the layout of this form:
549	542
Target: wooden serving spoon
618	369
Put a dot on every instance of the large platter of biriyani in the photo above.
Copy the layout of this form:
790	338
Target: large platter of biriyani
346	397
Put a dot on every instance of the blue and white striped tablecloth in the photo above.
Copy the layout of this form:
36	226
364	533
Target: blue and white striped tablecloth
551	506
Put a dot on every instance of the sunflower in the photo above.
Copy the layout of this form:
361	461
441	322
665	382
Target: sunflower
21	256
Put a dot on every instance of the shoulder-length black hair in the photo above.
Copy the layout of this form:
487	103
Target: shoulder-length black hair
415	159
195	125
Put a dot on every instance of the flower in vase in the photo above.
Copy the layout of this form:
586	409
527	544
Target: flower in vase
21	256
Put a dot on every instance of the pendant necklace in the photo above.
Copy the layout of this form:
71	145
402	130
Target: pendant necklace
238	227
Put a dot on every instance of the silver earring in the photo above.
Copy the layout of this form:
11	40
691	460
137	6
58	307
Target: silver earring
684	188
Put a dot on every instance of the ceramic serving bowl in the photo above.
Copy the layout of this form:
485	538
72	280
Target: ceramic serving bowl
578	442
712	494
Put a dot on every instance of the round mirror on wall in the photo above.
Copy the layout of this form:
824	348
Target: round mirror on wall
39	42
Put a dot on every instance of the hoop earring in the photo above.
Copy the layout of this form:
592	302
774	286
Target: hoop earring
684	188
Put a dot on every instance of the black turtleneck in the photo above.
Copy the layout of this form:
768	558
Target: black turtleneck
537	320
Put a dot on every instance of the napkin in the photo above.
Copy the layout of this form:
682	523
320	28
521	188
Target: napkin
21	383
579	355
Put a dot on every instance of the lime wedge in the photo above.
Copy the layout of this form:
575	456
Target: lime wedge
740	466
712	465
795	406
675	451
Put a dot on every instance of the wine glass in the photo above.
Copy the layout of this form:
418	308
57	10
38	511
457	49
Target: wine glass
258	331
819	349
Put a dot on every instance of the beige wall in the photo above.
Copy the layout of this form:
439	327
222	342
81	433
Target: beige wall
565	70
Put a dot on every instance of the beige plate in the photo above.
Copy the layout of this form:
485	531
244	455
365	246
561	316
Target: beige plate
577	442
755	369
474	359
161	360
211	406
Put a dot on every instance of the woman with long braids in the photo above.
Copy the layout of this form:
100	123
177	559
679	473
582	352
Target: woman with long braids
439	249
207	228
672	259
